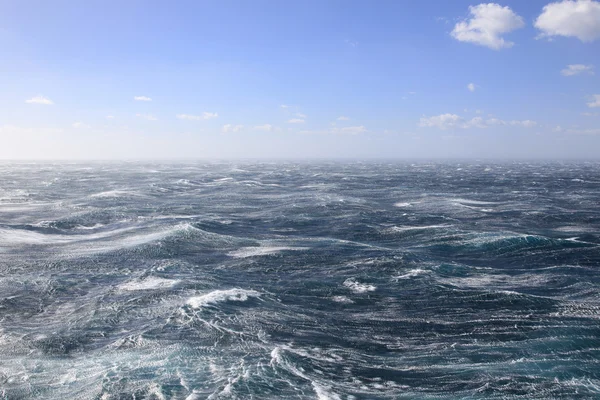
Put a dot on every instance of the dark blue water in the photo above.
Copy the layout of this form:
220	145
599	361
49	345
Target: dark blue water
299	281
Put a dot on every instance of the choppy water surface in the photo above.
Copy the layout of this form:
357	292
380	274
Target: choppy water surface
300	281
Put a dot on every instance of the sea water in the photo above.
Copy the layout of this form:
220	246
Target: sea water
323	280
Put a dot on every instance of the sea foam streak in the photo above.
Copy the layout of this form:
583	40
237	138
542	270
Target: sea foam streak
150	283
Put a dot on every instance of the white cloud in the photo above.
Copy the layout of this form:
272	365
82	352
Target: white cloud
471	87
300	115
487	25
443	121
575	69
454	121
40	100
284	106
495	121
80	125
526	123
580	19
205	115
142	98
265	128
476	122
596	102
342	118
232	128
296	121
149	117
589	114
110	117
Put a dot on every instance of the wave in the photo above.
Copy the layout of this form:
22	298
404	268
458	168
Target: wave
219	296
261	251
119	239
342	299
358	287
505	243
412	273
113	194
150	283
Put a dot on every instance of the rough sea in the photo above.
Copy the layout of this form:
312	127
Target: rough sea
323	280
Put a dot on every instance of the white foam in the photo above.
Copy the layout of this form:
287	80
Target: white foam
342	299
260	251
150	283
402	205
218	296
413	228
114	193
324	393
412	273
474	202
358	287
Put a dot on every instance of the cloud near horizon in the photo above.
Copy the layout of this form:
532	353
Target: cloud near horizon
205	115
454	121
40	100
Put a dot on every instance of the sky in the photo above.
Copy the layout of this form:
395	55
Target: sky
307	79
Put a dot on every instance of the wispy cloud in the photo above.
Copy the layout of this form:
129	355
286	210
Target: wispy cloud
40	100
142	98
80	125
471	87
486	26
203	116
342	118
264	128
454	121
232	128
148	117
110	117
296	121
576	69
284	106
596	102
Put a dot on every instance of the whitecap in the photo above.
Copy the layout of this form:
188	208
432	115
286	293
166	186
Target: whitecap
260	251
324	393
218	296
358	287
150	283
342	299
412	273
413	228
114	194
402	205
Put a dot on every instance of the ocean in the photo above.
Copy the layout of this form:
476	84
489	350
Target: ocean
289	280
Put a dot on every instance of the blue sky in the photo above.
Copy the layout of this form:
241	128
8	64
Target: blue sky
310	79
